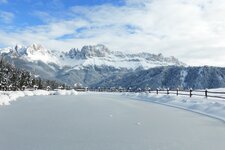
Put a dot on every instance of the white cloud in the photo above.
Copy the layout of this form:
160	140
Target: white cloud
6	17
192	30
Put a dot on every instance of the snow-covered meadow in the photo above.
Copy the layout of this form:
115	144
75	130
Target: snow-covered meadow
7	96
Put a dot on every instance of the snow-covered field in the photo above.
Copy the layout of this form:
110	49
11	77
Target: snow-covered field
104	121
7	96
212	107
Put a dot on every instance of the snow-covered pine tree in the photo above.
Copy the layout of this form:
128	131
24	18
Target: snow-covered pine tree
14	79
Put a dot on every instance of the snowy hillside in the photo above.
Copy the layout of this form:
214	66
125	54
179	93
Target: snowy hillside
98	55
170	77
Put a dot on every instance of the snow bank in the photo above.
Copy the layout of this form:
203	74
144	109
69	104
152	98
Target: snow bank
7	96
207	106
65	92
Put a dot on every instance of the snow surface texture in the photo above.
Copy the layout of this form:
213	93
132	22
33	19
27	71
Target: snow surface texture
104	121
7	96
208	106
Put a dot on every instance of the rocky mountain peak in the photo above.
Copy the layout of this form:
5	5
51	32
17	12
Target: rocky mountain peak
95	51
36	48
96	55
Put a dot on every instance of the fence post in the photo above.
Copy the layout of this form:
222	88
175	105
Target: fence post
168	91
177	91
157	91
191	92
206	93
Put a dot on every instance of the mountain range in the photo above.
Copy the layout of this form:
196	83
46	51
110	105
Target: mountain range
89	65
96	66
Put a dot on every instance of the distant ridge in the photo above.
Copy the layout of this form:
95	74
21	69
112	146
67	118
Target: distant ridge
89	65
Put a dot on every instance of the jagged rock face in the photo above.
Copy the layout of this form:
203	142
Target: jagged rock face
89	51
88	66
30	50
73	53
95	51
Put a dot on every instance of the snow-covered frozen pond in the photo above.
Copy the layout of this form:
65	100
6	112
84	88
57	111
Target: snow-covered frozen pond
104	122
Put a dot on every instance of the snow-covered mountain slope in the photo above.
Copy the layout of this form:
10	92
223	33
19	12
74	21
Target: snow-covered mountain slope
32	53
97	55
169	77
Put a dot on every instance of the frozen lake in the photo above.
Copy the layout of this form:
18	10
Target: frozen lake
104	122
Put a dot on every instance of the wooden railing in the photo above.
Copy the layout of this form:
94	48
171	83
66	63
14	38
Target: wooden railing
190	92
204	93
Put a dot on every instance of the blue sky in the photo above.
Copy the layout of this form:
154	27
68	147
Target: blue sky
25	12
192	30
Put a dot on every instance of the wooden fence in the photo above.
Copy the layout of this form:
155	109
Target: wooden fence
203	93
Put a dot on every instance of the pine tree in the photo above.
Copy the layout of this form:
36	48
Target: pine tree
12	78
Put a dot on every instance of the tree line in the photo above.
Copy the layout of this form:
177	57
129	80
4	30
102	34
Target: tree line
12	78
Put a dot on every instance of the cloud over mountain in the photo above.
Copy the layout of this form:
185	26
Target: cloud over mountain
192	30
